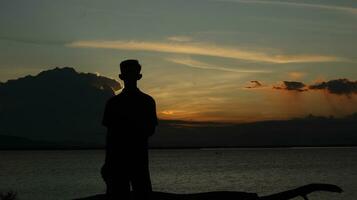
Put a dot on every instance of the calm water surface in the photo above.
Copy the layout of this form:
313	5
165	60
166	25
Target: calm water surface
50	175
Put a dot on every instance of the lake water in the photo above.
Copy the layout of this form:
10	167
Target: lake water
50	175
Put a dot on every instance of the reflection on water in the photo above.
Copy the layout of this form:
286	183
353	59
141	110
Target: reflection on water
50	175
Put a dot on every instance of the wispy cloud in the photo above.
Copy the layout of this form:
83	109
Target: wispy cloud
350	10
179	38
35	41
204	49
296	75
202	65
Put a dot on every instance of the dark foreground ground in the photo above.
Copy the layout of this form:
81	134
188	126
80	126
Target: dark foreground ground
231	195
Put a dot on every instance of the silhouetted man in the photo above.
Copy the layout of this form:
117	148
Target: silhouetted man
130	118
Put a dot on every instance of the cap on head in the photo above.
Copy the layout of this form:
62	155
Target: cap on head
130	67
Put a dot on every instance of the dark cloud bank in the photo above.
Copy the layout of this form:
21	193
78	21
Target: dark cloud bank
291	85
62	108
254	84
338	86
59	106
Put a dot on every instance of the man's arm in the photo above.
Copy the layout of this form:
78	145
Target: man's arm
153	119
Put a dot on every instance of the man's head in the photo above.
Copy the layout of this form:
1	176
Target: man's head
130	71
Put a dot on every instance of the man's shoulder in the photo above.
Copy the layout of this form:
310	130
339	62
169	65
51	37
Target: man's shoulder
147	97
122	96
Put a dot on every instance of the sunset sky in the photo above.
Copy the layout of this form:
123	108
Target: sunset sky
203	60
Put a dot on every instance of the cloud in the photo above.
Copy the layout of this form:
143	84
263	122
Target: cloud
61	101
254	84
202	65
179	38
338	86
296	75
350	10
203	49
33	40
291	86
341	86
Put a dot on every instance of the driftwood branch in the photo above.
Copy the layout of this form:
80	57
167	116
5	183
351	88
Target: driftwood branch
302	191
226	195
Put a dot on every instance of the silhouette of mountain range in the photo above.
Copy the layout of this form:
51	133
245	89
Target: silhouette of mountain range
62	108
308	131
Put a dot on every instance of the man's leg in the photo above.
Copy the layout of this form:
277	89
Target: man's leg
117	183
140	175
118	190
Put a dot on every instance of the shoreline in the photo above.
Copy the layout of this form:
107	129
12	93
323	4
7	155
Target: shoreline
189	148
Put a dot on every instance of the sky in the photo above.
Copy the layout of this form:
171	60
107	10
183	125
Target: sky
203	60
